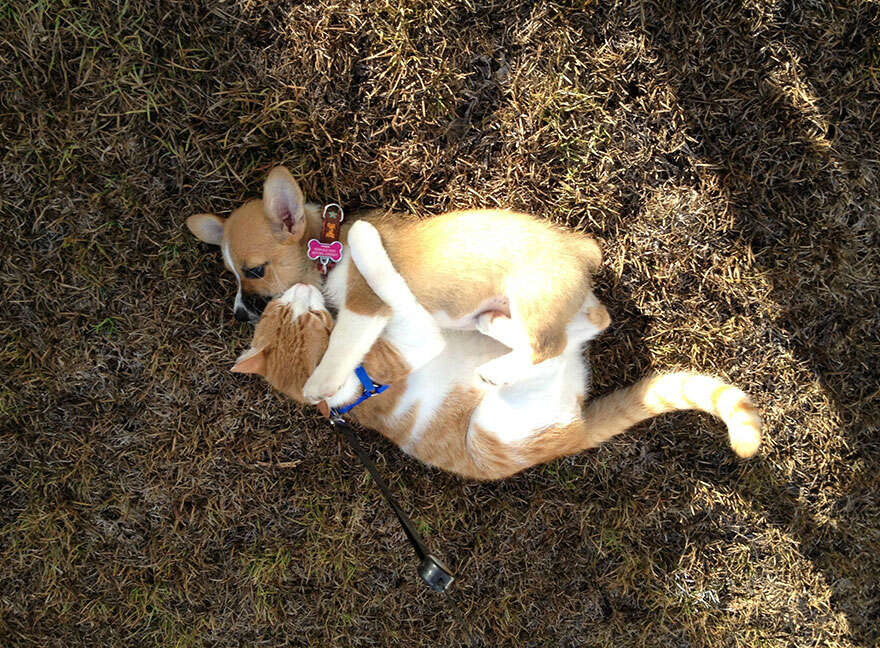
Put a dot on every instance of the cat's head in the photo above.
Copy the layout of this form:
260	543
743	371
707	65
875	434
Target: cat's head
288	343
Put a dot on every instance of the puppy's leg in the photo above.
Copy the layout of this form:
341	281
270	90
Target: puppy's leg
306	331
543	302
587	323
378	301
359	323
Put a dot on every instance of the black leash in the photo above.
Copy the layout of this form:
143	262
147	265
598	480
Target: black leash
431	569
435	574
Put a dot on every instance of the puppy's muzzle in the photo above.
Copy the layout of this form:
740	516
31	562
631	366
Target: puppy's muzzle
250	308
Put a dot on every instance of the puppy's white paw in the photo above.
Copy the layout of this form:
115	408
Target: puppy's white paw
372	260
316	299
503	370
363	234
302	298
321	385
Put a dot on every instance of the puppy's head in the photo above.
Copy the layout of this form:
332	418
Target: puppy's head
260	243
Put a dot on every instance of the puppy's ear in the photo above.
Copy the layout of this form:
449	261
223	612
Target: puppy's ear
252	361
284	204
207	227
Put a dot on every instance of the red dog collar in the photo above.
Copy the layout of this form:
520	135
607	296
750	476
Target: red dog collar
326	252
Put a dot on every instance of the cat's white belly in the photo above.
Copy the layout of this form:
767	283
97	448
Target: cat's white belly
428	387
549	394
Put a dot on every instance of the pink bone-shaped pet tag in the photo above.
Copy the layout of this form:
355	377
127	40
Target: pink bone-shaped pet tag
320	251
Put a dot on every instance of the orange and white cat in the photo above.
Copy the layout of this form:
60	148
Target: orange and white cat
515	278
438	414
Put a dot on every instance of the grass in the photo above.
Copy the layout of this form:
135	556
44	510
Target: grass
725	153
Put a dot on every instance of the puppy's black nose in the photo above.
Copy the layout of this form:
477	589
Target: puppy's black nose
242	314
254	304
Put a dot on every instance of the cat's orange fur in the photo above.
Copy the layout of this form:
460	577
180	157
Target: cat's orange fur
286	348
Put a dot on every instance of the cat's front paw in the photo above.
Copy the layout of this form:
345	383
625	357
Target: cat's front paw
321	385
301	299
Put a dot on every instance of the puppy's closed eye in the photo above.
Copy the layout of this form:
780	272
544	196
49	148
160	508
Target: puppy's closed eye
256	272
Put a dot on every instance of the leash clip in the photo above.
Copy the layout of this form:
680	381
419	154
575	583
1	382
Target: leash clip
435	574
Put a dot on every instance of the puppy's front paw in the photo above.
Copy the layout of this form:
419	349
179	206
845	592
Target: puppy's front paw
503	370
301	299
321	386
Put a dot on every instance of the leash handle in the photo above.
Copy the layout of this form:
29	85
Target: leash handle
431	570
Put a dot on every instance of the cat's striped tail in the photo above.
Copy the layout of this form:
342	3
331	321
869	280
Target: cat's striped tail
610	415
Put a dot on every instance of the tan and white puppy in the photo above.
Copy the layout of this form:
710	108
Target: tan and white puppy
515	278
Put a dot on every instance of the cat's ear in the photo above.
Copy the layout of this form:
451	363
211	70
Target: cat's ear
252	361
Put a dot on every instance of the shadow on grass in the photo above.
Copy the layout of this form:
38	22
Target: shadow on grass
771	82
759	112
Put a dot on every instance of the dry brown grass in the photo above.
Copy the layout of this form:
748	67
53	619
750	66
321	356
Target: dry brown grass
727	154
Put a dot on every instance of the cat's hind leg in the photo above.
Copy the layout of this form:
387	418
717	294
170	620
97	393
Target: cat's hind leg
411	331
